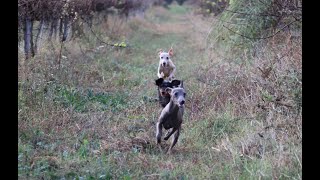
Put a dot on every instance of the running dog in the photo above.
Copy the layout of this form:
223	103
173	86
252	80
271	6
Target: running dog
166	69
162	84
171	116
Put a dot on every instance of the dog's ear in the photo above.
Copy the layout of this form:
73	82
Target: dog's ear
159	81
160	51
175	82
171	52
181	84
168	90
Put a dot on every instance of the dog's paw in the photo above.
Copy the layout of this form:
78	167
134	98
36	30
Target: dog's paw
158	140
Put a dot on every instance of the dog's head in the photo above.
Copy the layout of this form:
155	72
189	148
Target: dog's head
177	96
165	57
163	84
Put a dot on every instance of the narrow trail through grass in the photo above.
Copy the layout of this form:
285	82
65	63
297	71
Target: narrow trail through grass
94	117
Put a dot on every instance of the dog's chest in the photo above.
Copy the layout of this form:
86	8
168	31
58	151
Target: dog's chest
167	70
172	120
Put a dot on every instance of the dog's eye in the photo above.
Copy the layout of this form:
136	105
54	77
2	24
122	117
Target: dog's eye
161	57
176	94
167	57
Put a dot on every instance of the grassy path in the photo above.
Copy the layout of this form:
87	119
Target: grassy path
94	118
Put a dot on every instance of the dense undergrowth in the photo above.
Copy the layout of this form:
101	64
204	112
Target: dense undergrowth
93	116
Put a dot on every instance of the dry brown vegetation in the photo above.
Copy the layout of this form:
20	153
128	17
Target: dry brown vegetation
94	115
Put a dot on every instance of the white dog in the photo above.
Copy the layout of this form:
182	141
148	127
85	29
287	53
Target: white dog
166	67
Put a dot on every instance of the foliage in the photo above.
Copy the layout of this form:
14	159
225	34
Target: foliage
93	115
245	22
211	7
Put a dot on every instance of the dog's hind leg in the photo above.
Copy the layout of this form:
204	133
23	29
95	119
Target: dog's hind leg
169	133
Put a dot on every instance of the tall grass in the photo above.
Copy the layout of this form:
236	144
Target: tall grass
93	117
261	80
243	23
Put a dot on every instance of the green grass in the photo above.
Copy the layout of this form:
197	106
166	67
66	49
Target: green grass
94	117
82	101
179	10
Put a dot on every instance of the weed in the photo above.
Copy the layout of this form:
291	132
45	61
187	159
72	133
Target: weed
93	117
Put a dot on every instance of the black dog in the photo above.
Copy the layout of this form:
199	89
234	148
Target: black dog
164	97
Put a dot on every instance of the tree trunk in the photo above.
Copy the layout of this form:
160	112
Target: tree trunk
31	40
39	34
20	30
27	37
50	33
66	28
55	28
60	28
90	20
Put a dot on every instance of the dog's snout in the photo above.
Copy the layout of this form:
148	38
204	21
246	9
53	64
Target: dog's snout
164	64
182	102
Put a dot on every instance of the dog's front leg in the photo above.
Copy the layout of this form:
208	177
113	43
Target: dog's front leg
160	73
174	140
171	76
159	132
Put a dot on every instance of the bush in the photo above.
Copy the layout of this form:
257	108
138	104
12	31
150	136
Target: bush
212	7
245	22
